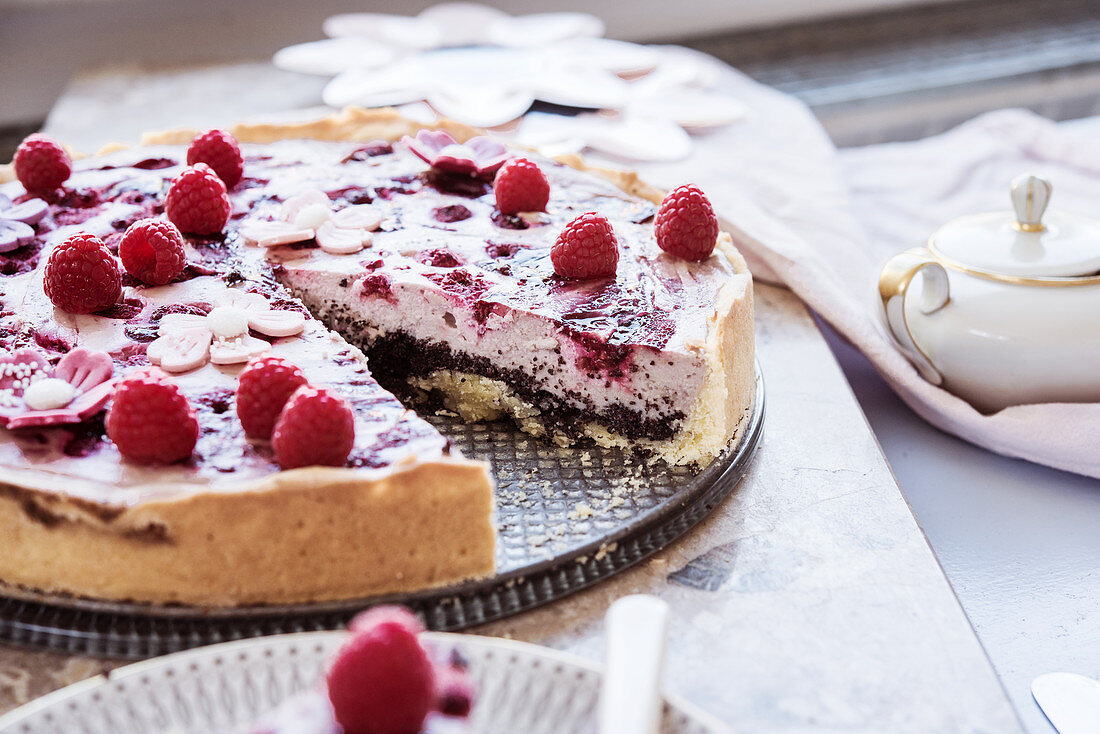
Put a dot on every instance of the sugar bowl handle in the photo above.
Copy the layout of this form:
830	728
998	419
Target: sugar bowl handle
893	288
1030	196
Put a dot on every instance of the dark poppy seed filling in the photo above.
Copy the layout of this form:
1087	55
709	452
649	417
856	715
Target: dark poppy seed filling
396	357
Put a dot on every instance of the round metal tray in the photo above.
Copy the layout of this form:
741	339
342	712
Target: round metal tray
566	518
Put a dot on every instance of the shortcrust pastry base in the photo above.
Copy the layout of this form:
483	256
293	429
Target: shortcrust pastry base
305	535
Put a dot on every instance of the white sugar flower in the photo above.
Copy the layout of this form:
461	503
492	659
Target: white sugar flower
310	216
188	341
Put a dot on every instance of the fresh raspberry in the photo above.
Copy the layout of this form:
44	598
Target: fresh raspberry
454	693
381	681
152	251
41	164
197	202
81	275
586	248
386	613
150	420
262	390
315	428
686	225
520	186
219	150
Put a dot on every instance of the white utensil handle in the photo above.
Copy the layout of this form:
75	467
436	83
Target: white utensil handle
1070	701
630	698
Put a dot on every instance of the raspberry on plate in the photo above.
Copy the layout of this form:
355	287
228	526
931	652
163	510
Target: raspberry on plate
315	428
152	251
586	248
41	164
521	186
263	388
197	202
150	419
381	681
81	275
685	224
219	150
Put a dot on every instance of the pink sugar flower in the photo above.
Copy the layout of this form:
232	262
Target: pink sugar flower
478	156
34	394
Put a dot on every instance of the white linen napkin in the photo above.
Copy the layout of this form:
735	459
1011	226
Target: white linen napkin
824	224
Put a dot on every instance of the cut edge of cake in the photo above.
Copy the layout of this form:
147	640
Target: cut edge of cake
717	417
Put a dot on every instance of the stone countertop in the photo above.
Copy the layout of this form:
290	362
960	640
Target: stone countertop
809	601
1018	541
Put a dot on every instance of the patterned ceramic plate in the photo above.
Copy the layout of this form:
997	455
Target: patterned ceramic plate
522	689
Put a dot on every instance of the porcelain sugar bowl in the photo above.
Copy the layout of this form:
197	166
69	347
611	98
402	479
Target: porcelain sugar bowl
1003	308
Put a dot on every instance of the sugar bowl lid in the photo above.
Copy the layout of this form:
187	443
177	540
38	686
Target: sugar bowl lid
1023	243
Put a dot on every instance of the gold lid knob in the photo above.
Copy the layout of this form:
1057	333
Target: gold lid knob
1030	196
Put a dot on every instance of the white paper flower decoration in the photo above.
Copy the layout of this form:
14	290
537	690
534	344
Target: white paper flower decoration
483	87
455	24
334	55
371	40
653	124
470	62
484	68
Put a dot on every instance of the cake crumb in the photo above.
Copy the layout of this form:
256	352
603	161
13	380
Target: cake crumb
581	512
604	550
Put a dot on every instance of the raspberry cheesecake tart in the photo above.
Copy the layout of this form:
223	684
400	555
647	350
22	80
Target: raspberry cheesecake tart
213	351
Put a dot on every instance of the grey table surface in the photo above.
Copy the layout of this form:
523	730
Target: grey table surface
809	601
1019	542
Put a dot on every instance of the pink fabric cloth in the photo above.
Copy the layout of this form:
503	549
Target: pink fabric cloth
823	223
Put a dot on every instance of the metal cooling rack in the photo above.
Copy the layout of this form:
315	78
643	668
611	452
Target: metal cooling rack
566	518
